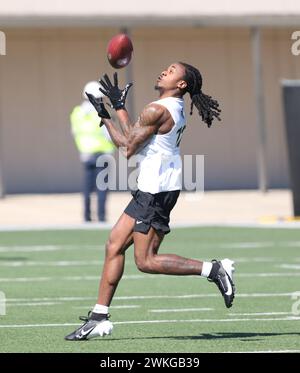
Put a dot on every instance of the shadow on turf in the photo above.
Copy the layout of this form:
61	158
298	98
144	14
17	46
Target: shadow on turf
207	336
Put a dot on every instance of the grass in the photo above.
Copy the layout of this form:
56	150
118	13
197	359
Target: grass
51	277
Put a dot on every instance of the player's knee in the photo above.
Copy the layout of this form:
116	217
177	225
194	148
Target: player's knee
144	264
111	248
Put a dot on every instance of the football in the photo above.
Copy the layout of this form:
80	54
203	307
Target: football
119	51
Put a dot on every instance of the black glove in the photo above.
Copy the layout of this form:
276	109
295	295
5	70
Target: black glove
99	106
116	95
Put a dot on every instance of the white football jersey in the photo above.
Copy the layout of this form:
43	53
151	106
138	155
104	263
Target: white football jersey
160	165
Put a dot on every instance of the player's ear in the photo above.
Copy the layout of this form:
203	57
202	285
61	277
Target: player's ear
182	84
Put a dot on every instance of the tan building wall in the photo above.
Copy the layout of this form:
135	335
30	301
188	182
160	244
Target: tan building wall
42	76
136	13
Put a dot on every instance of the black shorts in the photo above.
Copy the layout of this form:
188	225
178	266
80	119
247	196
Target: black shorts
151	210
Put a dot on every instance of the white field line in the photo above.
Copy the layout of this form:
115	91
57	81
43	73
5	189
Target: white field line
229	245
258	244
153	322
70	263
293	243
270	274
257	259
136	277
74	263
32	304
259	352
125	306
105	226
246	245
209	295
292	318
289	266
260	313
167	310
25	249
41	248
55	227
12	304
26	279
64	278
255	244
51	299
141	297
60	263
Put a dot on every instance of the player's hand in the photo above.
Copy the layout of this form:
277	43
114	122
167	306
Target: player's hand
116	95
99	106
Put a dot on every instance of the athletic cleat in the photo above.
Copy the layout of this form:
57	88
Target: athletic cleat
222	275
91	328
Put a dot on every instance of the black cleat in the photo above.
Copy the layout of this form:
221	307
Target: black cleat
91	328
222	275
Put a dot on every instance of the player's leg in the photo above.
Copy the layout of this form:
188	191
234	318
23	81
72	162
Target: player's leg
120	238
97	323
148	260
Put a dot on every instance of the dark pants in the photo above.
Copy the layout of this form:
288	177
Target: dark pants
89	185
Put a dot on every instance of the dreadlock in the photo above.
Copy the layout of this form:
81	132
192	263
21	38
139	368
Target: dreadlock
208	108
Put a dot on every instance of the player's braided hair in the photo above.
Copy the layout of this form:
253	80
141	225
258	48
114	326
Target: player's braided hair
208	108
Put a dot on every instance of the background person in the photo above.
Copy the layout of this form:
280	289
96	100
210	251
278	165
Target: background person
92	142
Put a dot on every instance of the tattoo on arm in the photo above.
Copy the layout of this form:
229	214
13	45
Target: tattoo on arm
117	137
147	125
138	134
126	127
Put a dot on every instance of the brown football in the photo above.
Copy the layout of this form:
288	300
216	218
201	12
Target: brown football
119	51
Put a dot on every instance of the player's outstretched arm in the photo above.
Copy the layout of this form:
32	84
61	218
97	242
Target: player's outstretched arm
151	118
126	123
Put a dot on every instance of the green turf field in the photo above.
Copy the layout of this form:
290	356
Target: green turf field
51	277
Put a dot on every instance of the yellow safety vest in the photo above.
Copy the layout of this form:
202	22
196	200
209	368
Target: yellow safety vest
88	136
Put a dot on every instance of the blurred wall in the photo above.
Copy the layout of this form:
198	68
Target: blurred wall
42	76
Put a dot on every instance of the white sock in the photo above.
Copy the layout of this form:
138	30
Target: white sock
100	309
206	269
